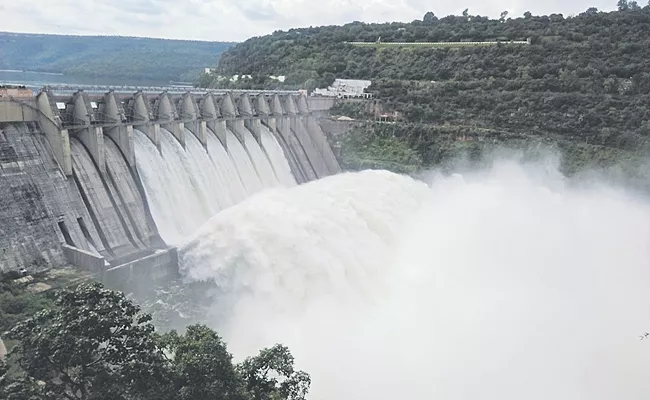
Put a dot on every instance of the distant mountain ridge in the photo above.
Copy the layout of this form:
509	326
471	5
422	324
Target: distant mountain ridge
108	56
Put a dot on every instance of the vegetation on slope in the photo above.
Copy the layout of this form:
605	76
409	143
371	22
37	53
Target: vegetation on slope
593	45
582	86
16	304
93	343
108	56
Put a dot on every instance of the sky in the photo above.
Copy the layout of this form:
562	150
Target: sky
237	20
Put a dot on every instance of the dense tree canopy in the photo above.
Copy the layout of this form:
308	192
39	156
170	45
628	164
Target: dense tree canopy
15	303
271	375
203	366
94	344
592	44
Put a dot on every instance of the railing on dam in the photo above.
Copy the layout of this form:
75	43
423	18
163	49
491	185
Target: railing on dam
72	89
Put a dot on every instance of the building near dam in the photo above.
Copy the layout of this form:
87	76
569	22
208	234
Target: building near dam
3	351
346	89
96	178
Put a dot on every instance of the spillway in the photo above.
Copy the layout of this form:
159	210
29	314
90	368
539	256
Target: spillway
260	160
277	157
173	195
128	194
241	159
97	179
185	187
224	165
102	203
211	185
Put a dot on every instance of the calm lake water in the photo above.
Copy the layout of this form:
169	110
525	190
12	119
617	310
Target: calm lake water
37	80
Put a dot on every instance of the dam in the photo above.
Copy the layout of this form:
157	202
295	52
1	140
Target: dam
111	180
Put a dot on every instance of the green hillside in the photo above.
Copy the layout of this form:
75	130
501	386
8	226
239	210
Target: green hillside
582	86
108	56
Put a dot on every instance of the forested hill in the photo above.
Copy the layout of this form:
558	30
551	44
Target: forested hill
108	56
592	44
582	85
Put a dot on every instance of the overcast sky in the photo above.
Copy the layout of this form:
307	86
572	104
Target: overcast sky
237	20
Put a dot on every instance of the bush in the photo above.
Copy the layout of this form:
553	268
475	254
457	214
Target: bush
18	304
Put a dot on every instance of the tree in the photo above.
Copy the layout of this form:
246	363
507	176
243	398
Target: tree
466	13
633	5
95	345
622	5
591	11
18	387
429	17
528	15
202	365
503	17
271	375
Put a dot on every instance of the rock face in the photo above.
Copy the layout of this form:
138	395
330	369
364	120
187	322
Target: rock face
3	351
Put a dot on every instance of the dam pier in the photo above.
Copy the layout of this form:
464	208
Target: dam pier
86	175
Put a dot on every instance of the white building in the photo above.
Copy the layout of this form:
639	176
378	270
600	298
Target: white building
3	351
346	88
235	78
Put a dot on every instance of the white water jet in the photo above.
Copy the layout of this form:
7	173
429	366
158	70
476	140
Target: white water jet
186	167
502	286
225	166
277	158
212	185
187	186
245	167
260	161
172	197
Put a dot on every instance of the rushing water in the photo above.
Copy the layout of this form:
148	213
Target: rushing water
277	158
503	285
173	194
260	161
187	186
224	165
240	157
212	185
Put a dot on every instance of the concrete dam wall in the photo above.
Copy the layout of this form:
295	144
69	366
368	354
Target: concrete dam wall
96	179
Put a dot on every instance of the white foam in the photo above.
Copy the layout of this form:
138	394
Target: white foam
187	186
174	195
505	286
260	161
240	157
277	157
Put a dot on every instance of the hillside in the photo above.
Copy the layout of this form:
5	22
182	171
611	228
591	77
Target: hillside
108	56
581	86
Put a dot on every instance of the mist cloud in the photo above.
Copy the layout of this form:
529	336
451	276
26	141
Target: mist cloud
501	284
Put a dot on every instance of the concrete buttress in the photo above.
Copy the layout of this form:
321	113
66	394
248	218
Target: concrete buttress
57	136
116	129
189	114
167	116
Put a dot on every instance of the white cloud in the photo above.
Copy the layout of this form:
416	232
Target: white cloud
239	19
